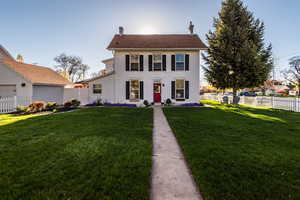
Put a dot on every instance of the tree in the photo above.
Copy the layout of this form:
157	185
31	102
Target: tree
71	67
20	58
237	57
292	73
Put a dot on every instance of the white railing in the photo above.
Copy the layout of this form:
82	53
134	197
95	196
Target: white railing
10	104
284	103
7	104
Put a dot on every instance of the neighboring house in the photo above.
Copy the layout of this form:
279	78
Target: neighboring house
4	53
150	67
30	81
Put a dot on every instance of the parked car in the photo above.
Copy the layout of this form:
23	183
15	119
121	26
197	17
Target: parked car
248	94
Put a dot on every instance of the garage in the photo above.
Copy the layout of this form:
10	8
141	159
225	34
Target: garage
8	90
48	93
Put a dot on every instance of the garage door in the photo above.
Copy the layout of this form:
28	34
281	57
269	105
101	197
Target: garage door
48	94
7	90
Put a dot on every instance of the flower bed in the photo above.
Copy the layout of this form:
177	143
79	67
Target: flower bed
119	105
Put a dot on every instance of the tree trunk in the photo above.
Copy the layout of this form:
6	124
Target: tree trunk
235	99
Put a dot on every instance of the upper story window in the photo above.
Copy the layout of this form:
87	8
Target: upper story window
157	62
134	62
97	89
179	61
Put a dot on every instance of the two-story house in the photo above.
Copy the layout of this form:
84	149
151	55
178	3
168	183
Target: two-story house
150	67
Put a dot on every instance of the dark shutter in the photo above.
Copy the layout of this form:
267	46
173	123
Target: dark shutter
141	63
141	89
187	62
127	62
187	89
164	62
127	89
173	90
150	62
173	62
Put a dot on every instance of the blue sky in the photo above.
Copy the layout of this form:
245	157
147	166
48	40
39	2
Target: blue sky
40	30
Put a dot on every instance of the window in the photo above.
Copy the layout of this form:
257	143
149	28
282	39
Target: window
134	62
134	90
179	61
97	88
157	62
179	89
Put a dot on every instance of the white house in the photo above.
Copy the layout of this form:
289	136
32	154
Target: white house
150	67
30	82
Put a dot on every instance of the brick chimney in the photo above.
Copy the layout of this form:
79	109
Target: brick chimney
191	27
121	30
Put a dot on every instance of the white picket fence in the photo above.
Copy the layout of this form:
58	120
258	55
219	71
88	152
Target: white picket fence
10	104
285	103
81	94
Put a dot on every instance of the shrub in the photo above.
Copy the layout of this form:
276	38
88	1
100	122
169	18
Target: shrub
168	102
36	106
51	106
68	105
98	102
75	103
146	103
22	109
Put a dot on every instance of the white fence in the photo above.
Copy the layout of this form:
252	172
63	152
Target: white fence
285	103
9	104
81	94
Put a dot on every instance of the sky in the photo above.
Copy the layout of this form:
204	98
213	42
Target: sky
39	30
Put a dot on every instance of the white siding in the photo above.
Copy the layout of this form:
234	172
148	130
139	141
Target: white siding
48	93
108	94
165	77
9	77
8	91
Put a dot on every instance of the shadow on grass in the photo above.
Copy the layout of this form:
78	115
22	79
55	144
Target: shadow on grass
96	153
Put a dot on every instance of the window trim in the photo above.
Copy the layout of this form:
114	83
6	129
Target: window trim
183	98
161	62
138	62
100	89
138	89
180	62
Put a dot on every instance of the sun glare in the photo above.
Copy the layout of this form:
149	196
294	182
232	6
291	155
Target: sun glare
148	30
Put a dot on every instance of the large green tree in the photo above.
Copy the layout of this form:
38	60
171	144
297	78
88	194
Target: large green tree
237	56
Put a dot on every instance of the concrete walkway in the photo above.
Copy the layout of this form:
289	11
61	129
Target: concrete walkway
171	179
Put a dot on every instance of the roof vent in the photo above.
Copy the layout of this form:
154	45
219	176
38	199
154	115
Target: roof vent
191	27
121	30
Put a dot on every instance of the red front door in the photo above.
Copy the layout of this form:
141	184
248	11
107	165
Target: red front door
157	92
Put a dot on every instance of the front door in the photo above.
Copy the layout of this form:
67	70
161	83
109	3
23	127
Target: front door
157	92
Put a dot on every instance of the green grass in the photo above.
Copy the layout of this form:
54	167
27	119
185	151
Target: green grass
95	153
240	153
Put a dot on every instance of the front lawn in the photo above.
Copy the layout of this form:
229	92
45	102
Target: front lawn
240	153
94	153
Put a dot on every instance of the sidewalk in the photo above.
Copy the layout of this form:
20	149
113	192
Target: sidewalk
171	179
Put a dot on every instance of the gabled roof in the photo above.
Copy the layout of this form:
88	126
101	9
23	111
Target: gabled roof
95	78
5	53
159	41
36	74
